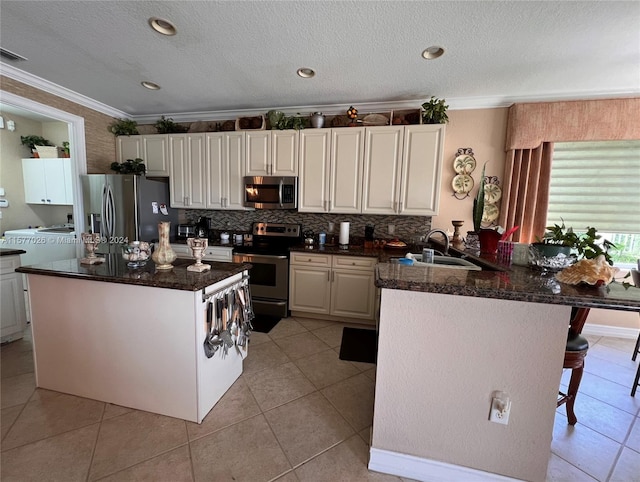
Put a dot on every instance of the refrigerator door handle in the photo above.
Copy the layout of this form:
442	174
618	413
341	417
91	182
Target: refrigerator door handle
111	214
103	213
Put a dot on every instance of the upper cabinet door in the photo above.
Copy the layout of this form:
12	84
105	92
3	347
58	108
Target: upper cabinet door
314	170
179	175
421	170
347	146
197	168
35	187
129	147
382	169
258	146
284	153
215	147
234	168
155	155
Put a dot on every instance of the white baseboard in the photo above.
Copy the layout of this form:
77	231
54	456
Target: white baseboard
417	468
606	330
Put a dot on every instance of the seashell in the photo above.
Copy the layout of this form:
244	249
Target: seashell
590	271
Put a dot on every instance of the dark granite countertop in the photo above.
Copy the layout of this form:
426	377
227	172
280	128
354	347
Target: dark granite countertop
498	281
11	252
517	284
115	270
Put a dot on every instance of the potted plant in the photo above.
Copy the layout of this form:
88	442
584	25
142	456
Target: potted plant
65	149
124	127
165	125
435	111
32	141
130	166
564	240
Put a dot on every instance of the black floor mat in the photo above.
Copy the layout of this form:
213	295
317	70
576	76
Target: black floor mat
264	324
359	345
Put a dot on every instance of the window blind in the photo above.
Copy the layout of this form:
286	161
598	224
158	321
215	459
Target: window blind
596	184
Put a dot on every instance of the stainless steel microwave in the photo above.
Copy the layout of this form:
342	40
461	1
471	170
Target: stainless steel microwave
271	192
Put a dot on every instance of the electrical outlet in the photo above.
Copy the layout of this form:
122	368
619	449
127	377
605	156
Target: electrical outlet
392	229
500	411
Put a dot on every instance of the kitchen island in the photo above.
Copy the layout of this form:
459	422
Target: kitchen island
131	336
449	339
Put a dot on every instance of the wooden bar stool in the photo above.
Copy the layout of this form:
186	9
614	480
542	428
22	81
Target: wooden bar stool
636	382
574	356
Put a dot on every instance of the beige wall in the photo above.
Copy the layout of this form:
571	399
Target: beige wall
440	358
101	146
483	130
20	215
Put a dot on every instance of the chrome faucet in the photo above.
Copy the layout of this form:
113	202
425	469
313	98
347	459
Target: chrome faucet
444	235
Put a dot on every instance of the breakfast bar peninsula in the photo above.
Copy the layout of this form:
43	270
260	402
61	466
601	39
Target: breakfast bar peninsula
449	340
132	336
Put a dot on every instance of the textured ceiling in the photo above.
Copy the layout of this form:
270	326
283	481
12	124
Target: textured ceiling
232	55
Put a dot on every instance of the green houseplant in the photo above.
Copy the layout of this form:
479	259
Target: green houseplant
435	111
32	141
559	239
124	127
130	166
165	125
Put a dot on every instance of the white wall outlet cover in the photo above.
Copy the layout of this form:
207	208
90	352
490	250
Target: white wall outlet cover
1	122
11	125
500	410
1	191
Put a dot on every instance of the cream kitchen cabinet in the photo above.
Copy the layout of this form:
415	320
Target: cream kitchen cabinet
152	149
402	170
13	319
332	285
272	153
187	169
47	181
225	154
421	170
331	168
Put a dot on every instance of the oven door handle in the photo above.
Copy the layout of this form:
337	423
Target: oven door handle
280	187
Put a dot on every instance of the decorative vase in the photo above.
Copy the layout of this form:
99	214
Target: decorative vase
317	120
91	241
488	241
472	241
163	256
198	245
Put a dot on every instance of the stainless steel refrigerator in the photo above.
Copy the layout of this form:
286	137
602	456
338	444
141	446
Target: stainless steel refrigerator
125	208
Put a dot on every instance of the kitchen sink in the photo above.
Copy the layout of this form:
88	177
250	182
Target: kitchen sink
56	230
446	262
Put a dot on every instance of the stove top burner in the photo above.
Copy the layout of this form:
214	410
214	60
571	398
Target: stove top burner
272	239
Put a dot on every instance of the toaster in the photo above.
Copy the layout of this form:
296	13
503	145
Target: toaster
186	231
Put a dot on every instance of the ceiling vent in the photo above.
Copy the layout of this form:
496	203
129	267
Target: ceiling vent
9	55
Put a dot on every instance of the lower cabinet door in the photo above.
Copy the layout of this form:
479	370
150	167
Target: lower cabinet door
310	289
353	293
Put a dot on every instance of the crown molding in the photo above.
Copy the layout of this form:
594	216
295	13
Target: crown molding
455	103
57	90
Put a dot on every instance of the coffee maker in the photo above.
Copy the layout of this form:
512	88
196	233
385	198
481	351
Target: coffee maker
202	227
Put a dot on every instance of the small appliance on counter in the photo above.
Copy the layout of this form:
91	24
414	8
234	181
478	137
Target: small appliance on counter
186	231
202	227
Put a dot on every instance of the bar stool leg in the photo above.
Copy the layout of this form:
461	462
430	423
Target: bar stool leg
636	382
572	392
636	349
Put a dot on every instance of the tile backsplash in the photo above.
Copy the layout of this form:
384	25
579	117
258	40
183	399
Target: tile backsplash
405	227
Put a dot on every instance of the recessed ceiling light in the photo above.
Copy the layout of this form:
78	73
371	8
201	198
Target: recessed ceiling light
150	85
306	73
432	52
160	25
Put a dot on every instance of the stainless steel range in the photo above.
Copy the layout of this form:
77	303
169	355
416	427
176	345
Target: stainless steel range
269	255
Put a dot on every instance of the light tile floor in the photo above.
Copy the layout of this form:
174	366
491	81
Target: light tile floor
297	413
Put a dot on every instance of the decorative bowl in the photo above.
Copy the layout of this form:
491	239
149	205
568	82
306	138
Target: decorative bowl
136	253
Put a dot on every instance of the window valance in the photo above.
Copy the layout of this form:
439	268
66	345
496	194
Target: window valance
531	124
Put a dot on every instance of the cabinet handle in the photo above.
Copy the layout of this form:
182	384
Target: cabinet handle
42	200
48	200
329	276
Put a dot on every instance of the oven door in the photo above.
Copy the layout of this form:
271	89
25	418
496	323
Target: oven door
269	281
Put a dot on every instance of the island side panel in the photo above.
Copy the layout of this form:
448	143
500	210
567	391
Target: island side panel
440	357
128	345
218	373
